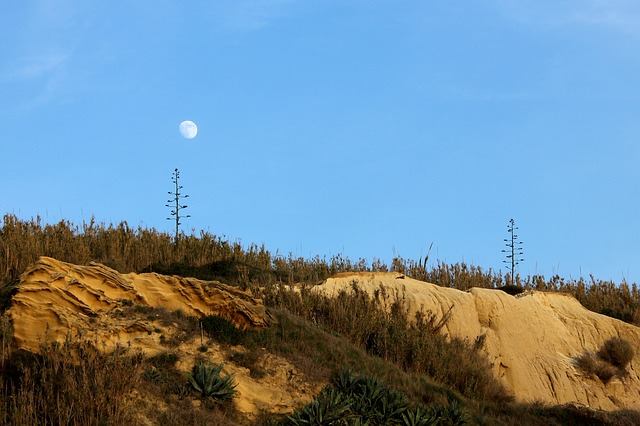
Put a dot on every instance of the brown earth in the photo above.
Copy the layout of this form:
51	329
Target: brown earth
532	339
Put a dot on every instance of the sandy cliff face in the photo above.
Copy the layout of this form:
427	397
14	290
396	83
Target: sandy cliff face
56	299
532	339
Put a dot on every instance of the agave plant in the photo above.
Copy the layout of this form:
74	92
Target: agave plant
390	407
376	402
419	417
205	378
345	382
153	375
453	414
456	414
331	407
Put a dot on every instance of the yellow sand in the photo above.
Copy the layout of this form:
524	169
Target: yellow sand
531	339
56	299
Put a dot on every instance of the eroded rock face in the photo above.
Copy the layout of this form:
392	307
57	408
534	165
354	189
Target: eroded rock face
55	299
532	339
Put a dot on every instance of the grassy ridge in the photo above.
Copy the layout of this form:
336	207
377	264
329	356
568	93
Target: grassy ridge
207	256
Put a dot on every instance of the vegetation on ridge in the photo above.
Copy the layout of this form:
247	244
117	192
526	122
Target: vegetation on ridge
207	256
363	400
371	336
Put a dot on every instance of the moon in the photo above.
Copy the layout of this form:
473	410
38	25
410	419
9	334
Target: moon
188	129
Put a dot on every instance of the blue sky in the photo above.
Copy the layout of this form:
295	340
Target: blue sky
366	128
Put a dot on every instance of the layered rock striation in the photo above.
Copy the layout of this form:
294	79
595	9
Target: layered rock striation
56	299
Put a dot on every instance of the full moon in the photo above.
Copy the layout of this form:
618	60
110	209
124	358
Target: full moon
188	129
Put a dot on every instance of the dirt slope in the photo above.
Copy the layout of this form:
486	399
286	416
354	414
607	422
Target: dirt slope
532	339
56	299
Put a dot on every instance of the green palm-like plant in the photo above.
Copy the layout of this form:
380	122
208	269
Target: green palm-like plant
331	407
345	382
453	414
205	378
374	401
366	401
419	417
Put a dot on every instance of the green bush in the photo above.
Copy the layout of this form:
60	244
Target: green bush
152	374
351	400
205	379
164	359
222	330
330	407
420	417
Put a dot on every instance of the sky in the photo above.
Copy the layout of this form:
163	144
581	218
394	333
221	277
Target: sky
365	128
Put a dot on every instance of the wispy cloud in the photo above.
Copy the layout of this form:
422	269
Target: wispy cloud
621	15
616	15
44	41
36	66
42	74
249	15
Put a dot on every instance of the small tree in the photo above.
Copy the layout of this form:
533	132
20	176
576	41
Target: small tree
174	202
514	250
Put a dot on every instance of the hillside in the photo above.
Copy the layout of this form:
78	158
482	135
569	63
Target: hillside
532	340
93	346
56	301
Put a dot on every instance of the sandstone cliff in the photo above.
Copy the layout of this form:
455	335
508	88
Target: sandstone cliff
57	299
532	339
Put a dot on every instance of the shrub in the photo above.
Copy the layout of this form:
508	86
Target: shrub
610	360
330	407
380	324
207	256
420	417
71	384
205	378
152	374
249	359
222	330
364	400
617	352
6	337
164	359
591	364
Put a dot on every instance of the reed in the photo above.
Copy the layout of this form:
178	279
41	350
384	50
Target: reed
207	256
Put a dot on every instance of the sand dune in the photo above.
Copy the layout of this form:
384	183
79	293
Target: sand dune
532	339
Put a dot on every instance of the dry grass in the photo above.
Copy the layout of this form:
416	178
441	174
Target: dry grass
610	361
617	352
369	335
209	257
381	326
593	365
71	384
